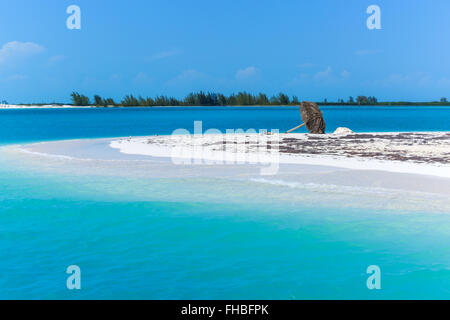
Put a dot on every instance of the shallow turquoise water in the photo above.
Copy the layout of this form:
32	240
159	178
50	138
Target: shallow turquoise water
144	238
59	124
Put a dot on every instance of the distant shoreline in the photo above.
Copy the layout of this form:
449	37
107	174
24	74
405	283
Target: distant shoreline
49	106
210	99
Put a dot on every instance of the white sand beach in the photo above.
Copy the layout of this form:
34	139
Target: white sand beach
394	165
49	106
415	153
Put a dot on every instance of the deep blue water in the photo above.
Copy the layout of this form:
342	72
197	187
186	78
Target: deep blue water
143	238
53	124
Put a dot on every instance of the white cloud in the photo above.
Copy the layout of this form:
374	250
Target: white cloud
411	83
186	76
345	74
306	65
365	52
300	79
247	73
57	58
141	77
416	79
163	55
444	82
189	77
321	75
18	77
16	49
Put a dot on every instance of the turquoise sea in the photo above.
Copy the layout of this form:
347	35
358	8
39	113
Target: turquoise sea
138	236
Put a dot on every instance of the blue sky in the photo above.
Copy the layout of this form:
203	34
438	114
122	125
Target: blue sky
312	49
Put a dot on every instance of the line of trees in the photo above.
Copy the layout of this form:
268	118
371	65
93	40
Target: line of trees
193	99
217	99
80	100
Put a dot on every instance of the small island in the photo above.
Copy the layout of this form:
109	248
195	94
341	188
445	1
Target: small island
212	99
